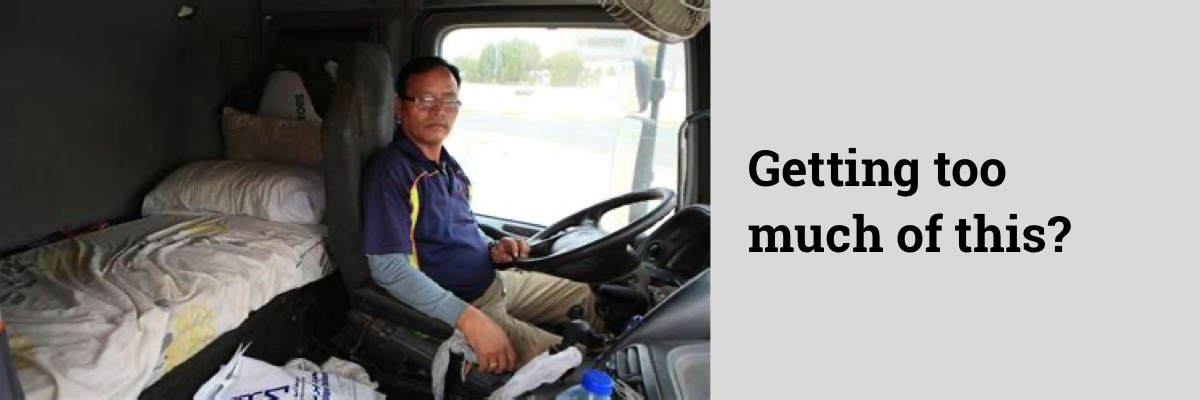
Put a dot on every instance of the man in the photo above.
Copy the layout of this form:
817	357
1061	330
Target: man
425	247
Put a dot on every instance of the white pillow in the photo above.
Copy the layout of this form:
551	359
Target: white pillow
282	193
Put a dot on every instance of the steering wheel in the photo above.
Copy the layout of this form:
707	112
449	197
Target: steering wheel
582	228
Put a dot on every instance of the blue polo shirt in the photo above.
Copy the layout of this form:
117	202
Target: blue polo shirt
412	205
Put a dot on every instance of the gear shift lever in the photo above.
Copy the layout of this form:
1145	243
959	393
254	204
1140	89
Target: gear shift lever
577	331
576	312
572	335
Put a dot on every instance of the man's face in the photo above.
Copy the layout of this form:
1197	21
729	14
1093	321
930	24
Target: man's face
428	110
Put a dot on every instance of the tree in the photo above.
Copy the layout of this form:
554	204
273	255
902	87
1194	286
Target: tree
566	69
509	61
468	67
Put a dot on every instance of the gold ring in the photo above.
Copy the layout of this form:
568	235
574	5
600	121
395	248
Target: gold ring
493	364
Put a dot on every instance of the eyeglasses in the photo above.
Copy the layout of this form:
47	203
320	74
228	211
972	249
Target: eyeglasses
426	103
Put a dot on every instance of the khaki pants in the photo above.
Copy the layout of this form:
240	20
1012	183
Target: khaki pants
520	299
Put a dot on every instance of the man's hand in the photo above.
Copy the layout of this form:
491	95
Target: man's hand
492	348
508	249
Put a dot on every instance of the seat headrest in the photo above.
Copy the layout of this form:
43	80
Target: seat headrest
285	97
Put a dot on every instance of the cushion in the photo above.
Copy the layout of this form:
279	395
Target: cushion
282	193
260	138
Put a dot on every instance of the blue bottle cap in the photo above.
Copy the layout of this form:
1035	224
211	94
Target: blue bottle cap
597	382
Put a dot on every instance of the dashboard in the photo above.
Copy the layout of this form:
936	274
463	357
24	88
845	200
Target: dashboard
666	356
679	249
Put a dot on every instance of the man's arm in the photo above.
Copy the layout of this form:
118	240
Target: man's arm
413	287
395	273
488	340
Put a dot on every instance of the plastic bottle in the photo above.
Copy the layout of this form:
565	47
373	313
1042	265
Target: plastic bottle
596	385
632	323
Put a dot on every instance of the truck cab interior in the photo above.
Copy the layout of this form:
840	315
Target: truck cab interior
182	178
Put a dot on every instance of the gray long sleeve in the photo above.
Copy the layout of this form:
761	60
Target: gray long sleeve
395	273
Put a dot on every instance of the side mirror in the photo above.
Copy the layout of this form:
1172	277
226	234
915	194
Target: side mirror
635	87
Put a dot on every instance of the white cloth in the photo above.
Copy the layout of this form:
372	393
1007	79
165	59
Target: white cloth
105	315
542	369
457	343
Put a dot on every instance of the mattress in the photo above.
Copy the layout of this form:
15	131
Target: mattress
106	314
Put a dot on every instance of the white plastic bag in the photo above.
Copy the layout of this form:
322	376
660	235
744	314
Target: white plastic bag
245	378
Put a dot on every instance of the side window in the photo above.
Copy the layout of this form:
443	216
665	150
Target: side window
555	120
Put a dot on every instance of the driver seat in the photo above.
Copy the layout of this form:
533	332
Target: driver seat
359	123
